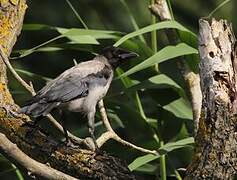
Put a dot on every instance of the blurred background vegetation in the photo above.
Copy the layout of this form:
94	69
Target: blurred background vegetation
149	108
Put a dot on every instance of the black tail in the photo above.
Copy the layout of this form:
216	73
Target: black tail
38	109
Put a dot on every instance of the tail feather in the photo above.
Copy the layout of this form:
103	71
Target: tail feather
38	109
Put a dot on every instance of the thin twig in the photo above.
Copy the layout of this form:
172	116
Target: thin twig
33	168
19	79
110	134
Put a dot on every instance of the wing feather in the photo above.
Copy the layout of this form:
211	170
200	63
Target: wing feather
72	84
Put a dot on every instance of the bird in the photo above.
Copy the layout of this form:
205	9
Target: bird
79	88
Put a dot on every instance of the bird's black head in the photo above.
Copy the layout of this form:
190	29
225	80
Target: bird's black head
117	56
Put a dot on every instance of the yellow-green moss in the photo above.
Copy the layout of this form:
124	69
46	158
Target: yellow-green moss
4	3
204	131
23	6
4	27
5	94
14	2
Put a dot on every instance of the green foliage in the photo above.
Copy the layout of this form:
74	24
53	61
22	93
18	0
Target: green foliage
142	160
128	110
167	53
180	108
218	7
9	168
148	102
157	26
74	35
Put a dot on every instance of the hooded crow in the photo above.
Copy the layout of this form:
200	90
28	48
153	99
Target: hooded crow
79	88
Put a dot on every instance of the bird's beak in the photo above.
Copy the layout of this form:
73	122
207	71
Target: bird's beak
128	55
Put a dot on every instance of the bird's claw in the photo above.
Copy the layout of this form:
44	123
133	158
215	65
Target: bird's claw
87	143
71	143
90	144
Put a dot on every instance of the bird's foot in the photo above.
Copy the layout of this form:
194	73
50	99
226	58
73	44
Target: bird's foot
71	143
92	145
87	143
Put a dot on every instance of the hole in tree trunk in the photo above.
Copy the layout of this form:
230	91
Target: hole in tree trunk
211	54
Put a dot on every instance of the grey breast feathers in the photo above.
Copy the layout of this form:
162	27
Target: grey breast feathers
72	84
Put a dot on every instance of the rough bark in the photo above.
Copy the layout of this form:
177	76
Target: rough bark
215	155
36	143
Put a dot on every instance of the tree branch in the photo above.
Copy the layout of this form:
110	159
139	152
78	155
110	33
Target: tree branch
110	134
35	142
32	167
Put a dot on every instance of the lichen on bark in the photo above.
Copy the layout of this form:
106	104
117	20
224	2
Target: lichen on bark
215	155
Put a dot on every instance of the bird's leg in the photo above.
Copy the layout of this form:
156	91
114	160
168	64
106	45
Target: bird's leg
62	120
75	142
69	141
91	125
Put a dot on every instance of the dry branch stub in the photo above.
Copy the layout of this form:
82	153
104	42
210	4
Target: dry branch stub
161	10
215	155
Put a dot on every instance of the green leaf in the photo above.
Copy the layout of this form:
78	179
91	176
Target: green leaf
157	26
49	49
81	36
168	147
82	39
30	74
180	108
148	169
97	34
18	172
156	82
74	32
164	54
138	162
35	27
76	35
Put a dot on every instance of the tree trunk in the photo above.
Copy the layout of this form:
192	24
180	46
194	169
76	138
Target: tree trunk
215	155
37	144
